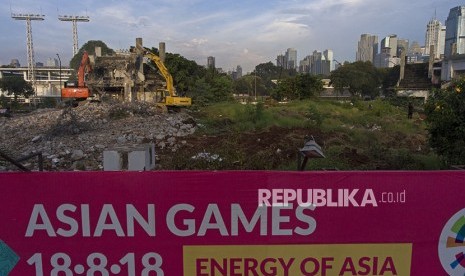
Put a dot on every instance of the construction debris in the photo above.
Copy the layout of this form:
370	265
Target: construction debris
75	138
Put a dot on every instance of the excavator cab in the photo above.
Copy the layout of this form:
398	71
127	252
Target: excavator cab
72	91
79	91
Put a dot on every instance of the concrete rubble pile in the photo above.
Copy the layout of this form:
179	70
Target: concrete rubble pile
74	139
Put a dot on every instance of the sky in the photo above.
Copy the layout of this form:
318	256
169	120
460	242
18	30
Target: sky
235	32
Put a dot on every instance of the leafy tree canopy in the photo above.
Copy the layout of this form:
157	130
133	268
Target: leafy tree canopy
269	72
89	47
185	72
445	111
16	86
361	78
300	87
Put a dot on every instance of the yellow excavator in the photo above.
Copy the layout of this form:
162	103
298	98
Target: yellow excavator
170	100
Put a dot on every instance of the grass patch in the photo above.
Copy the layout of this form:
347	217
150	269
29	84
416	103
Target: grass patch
358	135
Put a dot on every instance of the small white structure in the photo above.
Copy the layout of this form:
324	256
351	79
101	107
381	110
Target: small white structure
139	158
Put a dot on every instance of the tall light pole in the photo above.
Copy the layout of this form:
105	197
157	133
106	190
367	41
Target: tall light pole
30	47
75	19
59	88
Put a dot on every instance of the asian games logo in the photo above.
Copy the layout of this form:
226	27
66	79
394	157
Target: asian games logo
452	245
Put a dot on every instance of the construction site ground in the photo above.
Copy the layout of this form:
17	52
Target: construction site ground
202	139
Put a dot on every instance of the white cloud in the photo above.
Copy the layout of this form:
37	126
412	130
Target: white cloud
236	32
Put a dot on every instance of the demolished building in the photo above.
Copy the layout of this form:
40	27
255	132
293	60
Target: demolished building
126	75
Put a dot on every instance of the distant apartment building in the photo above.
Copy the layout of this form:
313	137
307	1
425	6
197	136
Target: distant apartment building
52	62
453	65
367	48
15	63
211	62
239	71
288	60
385	60
402	45
318	63
281	61
390	51
291	58
389	45
435	36
455	32
416	54
304	65
329	56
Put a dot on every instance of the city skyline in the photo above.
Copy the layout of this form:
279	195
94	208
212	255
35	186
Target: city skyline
235	33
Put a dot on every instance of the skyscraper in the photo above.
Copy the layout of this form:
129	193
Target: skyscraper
291	58
402	45
435	36
329	56
239	71
367	47
389	45
15	63
455	32
281	61
211	62
317	63
52	62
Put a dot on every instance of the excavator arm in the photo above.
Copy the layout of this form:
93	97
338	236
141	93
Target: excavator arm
173	100
164	71
81	91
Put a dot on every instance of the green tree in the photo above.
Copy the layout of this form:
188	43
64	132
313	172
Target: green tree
360	78
200	92
221	88
185	72
16	86
268	72
89	47
241	86
302	86
389	79
445	111
308	85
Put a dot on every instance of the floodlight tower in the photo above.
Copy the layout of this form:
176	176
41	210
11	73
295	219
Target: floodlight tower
30	45
75	19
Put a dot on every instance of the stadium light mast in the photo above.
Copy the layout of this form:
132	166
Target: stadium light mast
30	46
75	19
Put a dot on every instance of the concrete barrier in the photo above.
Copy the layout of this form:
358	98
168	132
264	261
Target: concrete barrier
138	158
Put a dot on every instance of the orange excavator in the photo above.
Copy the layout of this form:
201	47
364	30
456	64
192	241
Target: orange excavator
78	92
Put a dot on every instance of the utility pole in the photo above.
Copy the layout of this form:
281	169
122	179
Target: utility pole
75	19
59	88
30	46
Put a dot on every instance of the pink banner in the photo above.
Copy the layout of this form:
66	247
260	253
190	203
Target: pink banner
232	223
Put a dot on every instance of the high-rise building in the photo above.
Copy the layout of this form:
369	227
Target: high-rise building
52	62
317	63
329	56
239	71
455	32
367	48
281	61
211	62
435	36
402	45
304	65
15	63
389	45
291	58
